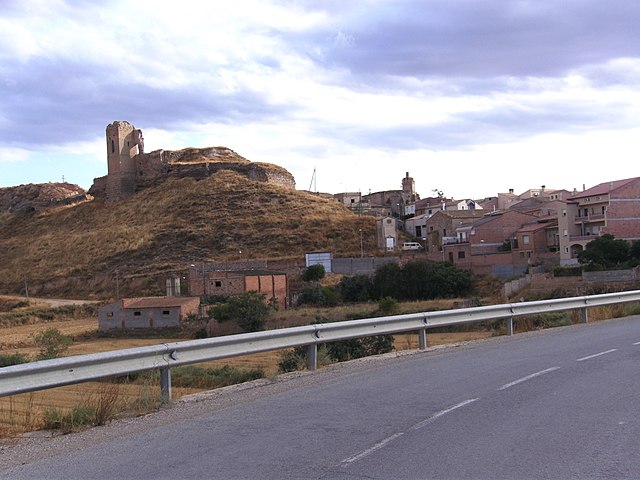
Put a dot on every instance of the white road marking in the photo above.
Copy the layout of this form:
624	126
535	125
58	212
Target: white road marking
369	451
596	355
391	438
637	343
437	415
528	377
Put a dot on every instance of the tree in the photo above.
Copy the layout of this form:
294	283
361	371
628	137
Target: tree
249	310
313	273
52	343
605	251
356	288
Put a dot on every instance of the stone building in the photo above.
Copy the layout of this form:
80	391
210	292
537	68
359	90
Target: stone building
147	312
131	169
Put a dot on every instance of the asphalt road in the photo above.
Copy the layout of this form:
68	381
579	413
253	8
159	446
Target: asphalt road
555	404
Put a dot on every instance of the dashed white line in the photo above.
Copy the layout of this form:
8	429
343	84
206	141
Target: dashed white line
369	451
391	438
589	357
528	377
437	415
637	343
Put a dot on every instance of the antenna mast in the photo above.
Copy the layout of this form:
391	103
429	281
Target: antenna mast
313	182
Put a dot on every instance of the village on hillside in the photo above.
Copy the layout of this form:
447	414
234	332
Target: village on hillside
505	235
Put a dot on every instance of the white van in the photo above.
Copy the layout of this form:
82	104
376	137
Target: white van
412	246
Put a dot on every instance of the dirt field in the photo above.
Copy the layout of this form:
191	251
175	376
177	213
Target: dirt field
20	413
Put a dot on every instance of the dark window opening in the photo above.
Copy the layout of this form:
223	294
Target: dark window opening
218	283
137	314
460	255
166	312
113	146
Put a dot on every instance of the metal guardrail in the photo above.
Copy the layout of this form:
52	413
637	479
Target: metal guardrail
58	372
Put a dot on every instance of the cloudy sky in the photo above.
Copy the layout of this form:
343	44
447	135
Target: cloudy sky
472	97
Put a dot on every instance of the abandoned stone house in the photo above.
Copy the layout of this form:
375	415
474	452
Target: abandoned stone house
147	312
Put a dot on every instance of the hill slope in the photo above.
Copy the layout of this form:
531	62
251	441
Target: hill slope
76	250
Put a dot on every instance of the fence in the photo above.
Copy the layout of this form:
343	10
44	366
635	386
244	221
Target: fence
70	370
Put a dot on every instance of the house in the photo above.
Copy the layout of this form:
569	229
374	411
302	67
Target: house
387	233
536	244
236	282
480	244
147	312
440	230
609	207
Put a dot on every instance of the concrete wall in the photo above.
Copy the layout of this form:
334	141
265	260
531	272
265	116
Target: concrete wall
357	266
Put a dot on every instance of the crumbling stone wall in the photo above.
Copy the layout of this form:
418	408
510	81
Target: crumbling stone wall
131	169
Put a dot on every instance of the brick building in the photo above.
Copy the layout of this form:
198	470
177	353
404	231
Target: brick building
609	207
236	282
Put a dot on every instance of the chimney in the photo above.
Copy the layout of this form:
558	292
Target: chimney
511	190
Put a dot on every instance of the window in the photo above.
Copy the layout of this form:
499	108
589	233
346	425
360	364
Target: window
564	213
113	146
460	255
604	209
218	283
109	314
137	314
565	232
166	312
525	239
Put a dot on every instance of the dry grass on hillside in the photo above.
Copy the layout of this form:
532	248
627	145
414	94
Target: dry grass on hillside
167	227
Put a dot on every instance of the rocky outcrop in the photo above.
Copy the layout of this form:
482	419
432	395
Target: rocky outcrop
25	199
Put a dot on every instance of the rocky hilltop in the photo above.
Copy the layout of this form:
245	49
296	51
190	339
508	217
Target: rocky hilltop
30	198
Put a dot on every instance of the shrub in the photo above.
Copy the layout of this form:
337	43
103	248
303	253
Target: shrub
7	359
79	416
319	296
52	343
313	273
249	310
388	306
357	288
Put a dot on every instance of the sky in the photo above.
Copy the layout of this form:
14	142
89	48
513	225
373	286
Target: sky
470	97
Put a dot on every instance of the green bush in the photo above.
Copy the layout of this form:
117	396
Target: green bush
79	416
249	310
7	360
313	273
357	288
52	343
319	296
388	306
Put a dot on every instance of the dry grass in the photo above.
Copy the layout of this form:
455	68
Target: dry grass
165	228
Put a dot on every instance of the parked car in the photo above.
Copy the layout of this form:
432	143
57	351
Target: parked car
412	246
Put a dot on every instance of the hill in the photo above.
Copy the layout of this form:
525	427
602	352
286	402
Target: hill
76	250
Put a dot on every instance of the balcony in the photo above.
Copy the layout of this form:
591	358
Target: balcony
596	217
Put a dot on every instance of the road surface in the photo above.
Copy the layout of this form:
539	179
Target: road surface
555	404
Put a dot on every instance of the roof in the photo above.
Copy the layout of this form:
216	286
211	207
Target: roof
245	273
155	302
603	188
533	227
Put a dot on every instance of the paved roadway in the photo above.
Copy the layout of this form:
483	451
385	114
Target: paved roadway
556	404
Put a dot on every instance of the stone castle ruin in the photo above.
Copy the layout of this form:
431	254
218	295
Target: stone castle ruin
130	169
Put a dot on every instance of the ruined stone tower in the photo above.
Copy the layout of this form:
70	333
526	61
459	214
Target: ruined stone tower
124	142
409	187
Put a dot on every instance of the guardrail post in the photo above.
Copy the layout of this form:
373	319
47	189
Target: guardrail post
165	382
510	326
422	338
585	315
312	356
